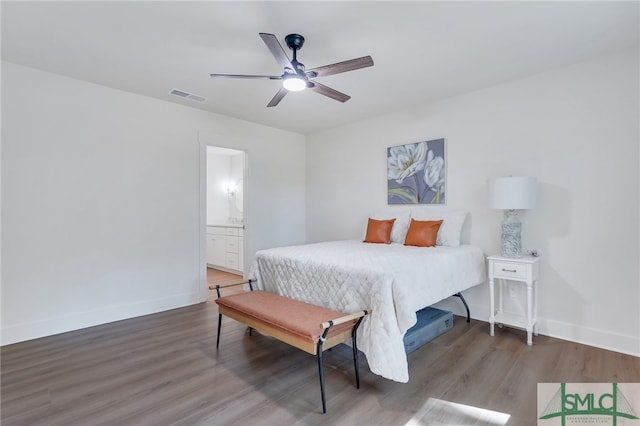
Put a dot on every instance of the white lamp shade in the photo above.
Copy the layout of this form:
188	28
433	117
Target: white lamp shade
512	193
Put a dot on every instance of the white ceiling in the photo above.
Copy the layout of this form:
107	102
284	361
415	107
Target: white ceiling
423	51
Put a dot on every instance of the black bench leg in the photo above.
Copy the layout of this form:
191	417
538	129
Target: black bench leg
219	324
355	361
321	373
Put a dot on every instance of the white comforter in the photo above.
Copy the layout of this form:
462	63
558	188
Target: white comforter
393	281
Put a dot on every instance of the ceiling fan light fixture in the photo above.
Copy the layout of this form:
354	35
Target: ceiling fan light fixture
294	83
295	78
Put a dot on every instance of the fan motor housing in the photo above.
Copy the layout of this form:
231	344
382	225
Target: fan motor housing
294	41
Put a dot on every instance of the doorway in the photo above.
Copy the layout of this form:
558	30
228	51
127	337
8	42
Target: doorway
225	216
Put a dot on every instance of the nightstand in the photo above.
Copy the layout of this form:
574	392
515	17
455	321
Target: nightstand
518	269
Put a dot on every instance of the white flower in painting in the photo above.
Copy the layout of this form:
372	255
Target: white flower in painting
434	171
406	160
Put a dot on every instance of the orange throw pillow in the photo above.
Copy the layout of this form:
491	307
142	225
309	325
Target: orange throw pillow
422	233
379	231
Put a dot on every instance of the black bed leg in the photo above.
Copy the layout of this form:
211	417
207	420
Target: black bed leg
465	305
219	324
354	333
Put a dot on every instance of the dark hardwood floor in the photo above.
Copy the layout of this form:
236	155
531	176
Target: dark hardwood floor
164	369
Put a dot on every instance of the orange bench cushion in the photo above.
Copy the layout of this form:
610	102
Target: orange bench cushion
299	319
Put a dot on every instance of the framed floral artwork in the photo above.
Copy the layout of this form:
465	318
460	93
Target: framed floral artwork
416	173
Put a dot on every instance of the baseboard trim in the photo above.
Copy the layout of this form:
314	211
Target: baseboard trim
603	339
598	338
79	320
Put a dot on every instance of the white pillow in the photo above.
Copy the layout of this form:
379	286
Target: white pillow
451	228
400	226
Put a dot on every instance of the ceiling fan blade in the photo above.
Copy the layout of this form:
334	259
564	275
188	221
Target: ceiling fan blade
350	65
328	91
276	50
278	97
270	77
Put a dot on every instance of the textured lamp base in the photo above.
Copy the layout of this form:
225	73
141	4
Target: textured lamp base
511	236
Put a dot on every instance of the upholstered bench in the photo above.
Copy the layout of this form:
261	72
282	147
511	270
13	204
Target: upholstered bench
308	327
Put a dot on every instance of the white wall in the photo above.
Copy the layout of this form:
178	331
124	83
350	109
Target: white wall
575	130
102	202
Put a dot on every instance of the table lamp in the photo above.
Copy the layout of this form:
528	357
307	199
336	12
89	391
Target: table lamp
511	194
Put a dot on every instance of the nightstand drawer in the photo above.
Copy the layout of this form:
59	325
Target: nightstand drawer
509	270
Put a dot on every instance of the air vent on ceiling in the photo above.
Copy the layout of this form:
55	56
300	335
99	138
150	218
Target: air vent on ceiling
187	95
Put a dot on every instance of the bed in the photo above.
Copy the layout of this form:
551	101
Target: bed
393	280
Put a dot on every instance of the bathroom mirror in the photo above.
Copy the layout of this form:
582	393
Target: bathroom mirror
240	195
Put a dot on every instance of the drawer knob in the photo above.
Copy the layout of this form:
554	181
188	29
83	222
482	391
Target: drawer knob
508	270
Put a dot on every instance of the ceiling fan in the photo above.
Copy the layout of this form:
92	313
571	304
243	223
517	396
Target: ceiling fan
294	76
